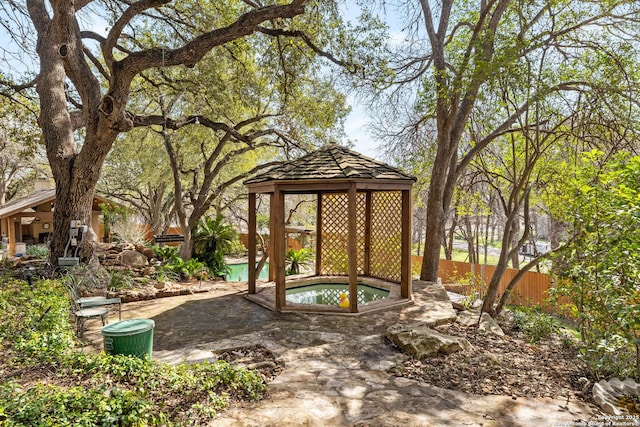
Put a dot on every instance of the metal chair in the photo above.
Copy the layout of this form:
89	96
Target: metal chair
83	312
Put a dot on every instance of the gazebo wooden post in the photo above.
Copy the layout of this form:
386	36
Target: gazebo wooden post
353	248
405	273
272	213
252	244
319	235
277	240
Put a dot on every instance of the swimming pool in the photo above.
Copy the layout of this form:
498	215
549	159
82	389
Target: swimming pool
329	293
240	272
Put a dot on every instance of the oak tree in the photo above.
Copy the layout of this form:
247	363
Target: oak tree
84	93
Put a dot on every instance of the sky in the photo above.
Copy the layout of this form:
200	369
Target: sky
356	124
356	129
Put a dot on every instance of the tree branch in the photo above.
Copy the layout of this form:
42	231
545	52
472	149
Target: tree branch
351	67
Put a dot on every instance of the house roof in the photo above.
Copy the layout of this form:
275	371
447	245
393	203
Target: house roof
36	198
332	162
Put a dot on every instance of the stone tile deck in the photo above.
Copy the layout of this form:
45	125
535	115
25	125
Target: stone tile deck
335	367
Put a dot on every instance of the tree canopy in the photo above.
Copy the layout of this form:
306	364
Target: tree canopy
445	99
85	78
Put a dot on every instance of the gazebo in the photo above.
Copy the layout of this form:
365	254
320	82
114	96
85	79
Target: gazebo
363	221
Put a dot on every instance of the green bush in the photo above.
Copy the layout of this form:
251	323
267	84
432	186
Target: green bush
237	248
166	275
613	356
212	240
165	253
83	277
119	280
38	251
598	273
296	259
48	405
35	325
180	269
81	389
534	324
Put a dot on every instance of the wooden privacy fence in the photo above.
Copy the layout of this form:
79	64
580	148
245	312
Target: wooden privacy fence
462	277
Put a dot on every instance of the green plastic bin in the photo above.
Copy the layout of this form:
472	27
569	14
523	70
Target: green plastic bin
133	337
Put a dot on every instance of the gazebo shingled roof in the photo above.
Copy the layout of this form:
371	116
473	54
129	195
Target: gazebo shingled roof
356	196
332	162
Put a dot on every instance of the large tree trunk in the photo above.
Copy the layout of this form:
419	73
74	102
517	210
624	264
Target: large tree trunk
76	173
73	202
438	202
454	103
434	226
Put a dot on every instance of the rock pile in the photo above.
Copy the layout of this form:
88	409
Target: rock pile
124	254
157	290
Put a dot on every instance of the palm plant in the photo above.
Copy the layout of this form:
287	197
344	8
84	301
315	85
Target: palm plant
212	240
298	258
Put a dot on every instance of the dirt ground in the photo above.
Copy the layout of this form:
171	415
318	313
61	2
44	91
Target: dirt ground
506	365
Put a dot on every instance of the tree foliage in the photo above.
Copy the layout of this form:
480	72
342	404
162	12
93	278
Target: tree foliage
22	158
261	100
456	56
599	274
85	78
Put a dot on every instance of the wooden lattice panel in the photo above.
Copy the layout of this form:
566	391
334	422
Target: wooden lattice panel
361	221
335	233
386	235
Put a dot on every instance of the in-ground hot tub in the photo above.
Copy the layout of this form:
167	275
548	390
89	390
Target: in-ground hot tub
330	293
321	294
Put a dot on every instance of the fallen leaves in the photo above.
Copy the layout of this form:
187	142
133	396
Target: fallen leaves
502	366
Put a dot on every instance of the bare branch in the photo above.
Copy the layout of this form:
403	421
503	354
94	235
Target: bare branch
351	67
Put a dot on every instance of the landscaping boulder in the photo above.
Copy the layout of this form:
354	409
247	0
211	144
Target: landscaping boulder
148	252
468	318
420	340
489	326
617	397
133	258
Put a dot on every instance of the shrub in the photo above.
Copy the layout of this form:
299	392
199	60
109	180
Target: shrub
38	251
35	326
212	240
180	269
166	275
534	324
165	253
47	404
297	259
84	277
237	248
82	389
119	280
598	274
